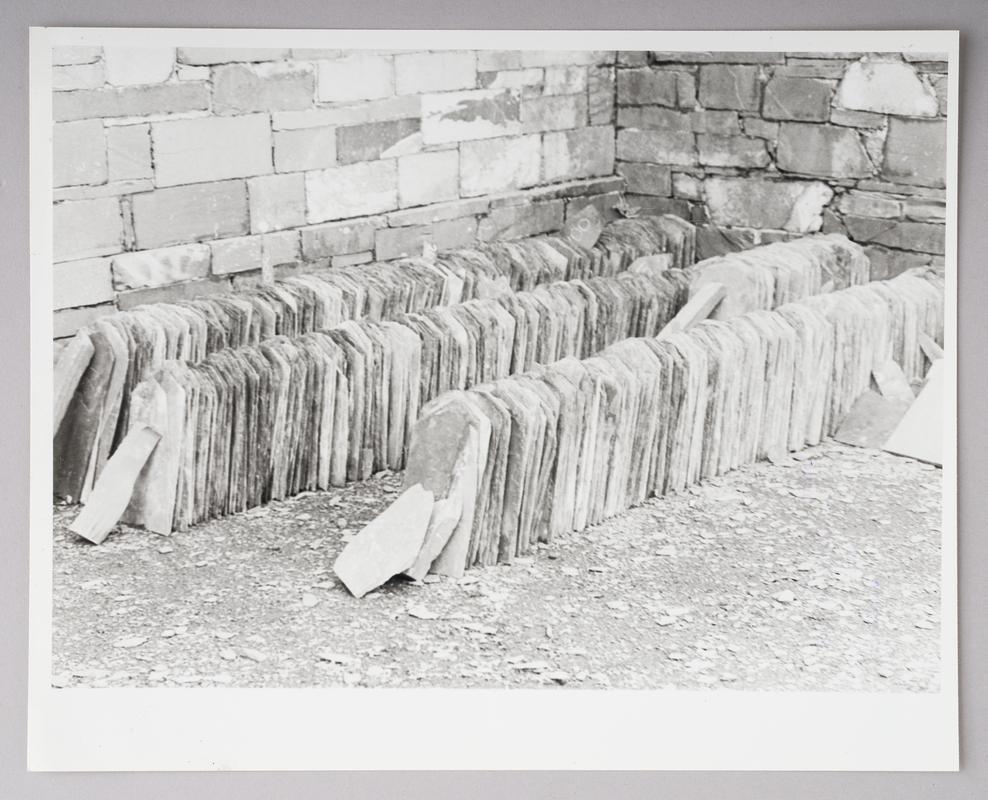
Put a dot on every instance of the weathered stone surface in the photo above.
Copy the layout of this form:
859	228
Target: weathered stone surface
132	66
478	114
279	248
548	58
355	77
243	88
445	71
369	141
428	177
149	268
721	122
276	202
77	76
79	153
515	222
114	189
188	213
755	126
801	99
600	95
925	210
824	150
857	119
754	203
553	113
565	79
304	149
204	56
131	101
641	87
497	165
510	79
405	242
85	228
128	152
642	178
172	293
916	152
657	147
68	321
580	153
869	204
924	237
686	96
712	240
654	118
211	149
731	151
353	113
886	86
81	283
438	212
445	517
494	60
699	57
453	233
351	191
337	238
887	263
729	86
240	254
686	186
388	545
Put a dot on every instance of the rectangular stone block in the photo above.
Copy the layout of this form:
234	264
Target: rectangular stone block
606	205
553	113
731	151
755	126
650	179
173	293
79	153
146	268
77	76
657	147
754	203
510	79
352	259
390	243
465	116
729	86
580	153
134	66
687	186
916	152
67	321
351	191
304	149
189	213
924	237
654	118
438	212
566	79
600	95
207	56
280	248
497	165
75	54
243	88
211	149
81	283
372	140
276	202
114	189
355	113
428	177
128	150
722	122
417	73
335	239
642	87
85	228
452	233
824	150
869	204
686	90
355	77
515	222
800	99
130	101
925	210
495	60
241	254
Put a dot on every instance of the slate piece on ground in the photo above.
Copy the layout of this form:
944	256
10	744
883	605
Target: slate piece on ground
919	433
69	369
871	420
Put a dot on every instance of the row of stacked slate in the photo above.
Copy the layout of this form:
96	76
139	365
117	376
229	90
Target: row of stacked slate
572	443
130	345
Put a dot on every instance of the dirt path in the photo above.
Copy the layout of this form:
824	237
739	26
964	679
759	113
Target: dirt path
819	574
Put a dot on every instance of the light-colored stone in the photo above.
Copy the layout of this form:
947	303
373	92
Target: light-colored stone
600	95
129	152
148	268
801	99
355	77
79	153
857	119
241	254
189	213
478	114
516	222
211	149
510	79
276	202
657	147
335	239
548	58
825	150
642	178
444	71
85	228
731	151
112	189
729	86
81	283
496	60
374	140
354	113
351	191
654	118
279	248
924	237
199	56
553	113
130	101
304	149
754	203
428	177
243	88
686	186
641	87
68	321
755	126
725	123
186	73
886	86
916	152
580	153
77	76
497	165
132	66
565	80
869	204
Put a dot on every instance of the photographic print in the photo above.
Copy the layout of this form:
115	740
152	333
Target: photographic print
441	367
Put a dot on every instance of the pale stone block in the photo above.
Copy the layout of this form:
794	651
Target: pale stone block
553	113
801	99
211	148
133	66
731	151
276	202
886	86
351	191
241	254
130	101
428	177
336	239
580	153
186	213
279	248
478	114
79	152
753	203
69	320
565	80
416	73
729	86
916	152
129	152
81	283
243	88
186	73
355	77
825	150
304	149
148	268
869	204
498	165
357	113
77	76
85	228
510	79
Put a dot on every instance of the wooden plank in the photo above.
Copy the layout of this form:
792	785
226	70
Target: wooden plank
71	364
919	434
115	485
697	309
933	351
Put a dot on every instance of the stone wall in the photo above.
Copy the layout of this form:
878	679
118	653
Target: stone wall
183	172
758	146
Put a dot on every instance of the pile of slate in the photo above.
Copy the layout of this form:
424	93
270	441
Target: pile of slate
570	444
129	346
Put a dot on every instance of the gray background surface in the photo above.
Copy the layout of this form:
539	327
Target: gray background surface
969	16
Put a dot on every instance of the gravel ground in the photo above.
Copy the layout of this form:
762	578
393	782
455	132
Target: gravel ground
821	573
